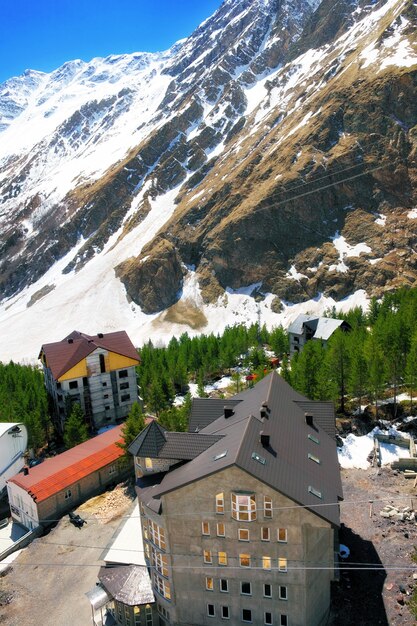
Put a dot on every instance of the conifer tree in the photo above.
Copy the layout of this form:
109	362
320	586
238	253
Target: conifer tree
411	368
75	428
134	424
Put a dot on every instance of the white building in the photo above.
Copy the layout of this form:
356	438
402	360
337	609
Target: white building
13	444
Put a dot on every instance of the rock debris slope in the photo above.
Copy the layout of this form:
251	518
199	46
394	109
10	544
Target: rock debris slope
275	147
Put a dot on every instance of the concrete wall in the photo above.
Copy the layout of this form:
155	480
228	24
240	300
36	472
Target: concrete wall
309	539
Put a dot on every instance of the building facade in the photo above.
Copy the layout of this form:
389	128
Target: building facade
229	514
13	444
98	372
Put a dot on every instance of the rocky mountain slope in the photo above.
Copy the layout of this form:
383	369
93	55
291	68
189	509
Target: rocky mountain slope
272	153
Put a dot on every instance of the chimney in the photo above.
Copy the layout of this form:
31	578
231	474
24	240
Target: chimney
228	412
100	335
70	340
264	411
309	419
25	471
265	439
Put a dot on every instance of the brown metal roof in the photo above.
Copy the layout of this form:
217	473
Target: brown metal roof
206	410
61	356
285	464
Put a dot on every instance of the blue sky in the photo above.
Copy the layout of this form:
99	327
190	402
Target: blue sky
43	34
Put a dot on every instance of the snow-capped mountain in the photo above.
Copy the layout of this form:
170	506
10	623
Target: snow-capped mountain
266	160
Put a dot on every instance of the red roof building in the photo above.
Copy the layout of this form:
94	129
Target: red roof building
42	494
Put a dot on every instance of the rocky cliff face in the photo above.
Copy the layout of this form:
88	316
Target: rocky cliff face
275	146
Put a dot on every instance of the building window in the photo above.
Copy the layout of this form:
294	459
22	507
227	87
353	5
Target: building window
243	534
282	564
283	593
244	560
112	469
222	558
73	384
123	374
314	458
315	492
124	397
104	384
267	590
225	612
245	589
106	395
157	535
210	610
246	615
148	613
265	533
67	494
107	407
160	562
244	507
267	507
148	463
102	363
282	535
205	528
224	585
268	618
220	503
163	587
266	562
314	439
207	556
221	530
124	386
283	620
209	583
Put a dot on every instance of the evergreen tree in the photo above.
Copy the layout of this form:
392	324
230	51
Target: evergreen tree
156	399
200	385
377	371
285	369
337	359
134	424
358	376
75	429
411	368
306	368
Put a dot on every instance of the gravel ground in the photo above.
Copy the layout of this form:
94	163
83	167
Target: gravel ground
46	584
370	597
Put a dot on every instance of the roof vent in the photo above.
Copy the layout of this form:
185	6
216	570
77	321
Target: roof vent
25	471
265	439
100	335
264	412
70	340
228	412
309	419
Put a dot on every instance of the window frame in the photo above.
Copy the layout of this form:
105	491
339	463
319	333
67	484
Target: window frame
243	530
282	564
268	509
244	557
207	557
266	563
265	528
224	580
247	621
213	614
220	503
281	595
206	532
244	593
222	558
284	530
219	526
223	607
264	590
209	580
243	507
268	623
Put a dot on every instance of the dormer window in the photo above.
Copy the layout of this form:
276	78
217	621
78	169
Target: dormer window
148	463
244	507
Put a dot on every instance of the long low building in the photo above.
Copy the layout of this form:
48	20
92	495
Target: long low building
42	494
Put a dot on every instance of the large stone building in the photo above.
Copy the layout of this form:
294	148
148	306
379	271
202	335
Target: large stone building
240	515
97	371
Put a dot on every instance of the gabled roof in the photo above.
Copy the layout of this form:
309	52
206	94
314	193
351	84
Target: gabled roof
63	470
323	327
157	443
284	464
206	410
61	356
129	584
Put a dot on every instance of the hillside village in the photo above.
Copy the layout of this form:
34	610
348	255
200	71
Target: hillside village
238	483
208	305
